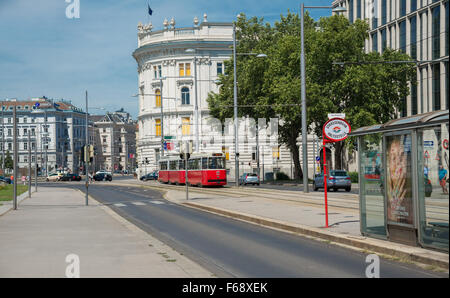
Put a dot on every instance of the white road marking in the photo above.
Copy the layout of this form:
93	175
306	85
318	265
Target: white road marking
120	205
138	203
157	202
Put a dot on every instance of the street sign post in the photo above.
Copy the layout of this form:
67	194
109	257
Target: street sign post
334	130
185	153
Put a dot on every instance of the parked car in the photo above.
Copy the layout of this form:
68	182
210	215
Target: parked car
70	177
5	180
54	177
150	176
102	177
336	179
249	178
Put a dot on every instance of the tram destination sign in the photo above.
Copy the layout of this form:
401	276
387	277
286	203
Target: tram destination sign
336	129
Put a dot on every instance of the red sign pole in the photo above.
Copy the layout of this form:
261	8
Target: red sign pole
325	181
337	131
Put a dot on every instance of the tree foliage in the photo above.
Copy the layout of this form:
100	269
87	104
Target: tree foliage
271	87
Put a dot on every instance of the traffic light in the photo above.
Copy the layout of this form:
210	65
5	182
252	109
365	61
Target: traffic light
91	153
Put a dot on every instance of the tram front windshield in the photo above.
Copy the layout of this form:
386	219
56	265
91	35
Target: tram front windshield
216	163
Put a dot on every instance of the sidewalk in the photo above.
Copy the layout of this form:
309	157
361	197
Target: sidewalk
36	239
307	220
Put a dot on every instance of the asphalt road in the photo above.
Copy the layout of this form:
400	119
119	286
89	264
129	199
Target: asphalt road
231	248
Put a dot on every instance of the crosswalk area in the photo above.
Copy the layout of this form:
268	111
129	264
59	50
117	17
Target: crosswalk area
137	203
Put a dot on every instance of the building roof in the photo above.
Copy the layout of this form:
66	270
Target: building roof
40	103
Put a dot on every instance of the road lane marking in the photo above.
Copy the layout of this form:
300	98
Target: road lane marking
157	202
120	205
138	203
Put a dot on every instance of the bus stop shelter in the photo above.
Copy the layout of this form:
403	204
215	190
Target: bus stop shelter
403	180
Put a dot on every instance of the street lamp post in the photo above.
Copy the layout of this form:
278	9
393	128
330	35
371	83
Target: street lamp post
303	90
236	153
196	118
86	155
235	102
15	158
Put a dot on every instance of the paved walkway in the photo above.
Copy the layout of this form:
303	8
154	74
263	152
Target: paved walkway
36	239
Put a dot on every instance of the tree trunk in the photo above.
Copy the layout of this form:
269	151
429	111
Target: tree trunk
298	173
339	149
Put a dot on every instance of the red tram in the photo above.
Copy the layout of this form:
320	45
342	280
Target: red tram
203	170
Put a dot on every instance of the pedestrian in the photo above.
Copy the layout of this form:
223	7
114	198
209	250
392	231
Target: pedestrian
443	179
426	171
24	180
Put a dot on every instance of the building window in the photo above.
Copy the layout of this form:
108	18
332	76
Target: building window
402	27
184	69
157	71
383	40
185	100
158	127
358	9
350	11
226	152
413	37
219	68
436	38
276	153
414	109
158	98
446	30
383	12
186	126
413	6
402	8
374	42
436	87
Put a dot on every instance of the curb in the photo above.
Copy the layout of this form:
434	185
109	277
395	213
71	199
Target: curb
20	198
352	241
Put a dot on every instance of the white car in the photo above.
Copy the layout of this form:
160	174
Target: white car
54	177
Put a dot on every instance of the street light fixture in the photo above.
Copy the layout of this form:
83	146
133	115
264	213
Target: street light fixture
338	9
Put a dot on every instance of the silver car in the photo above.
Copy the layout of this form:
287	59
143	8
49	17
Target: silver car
337	179
249	178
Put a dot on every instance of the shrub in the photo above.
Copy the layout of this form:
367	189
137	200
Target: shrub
282	176
354	176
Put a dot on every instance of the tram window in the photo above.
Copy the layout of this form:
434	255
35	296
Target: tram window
204	163
163	166
216	163
196	164
181	164
173	165
193	164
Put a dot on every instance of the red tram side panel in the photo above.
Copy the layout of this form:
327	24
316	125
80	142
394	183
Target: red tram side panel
204	170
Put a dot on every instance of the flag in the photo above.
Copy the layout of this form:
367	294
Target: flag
150	11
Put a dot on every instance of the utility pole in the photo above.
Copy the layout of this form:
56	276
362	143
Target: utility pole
86	156
236	125
35	165
29	164
15	157
3	142
162	120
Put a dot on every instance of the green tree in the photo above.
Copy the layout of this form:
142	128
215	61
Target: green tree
367	93
9	163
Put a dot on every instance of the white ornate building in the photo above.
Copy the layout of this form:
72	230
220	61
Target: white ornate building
178	68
